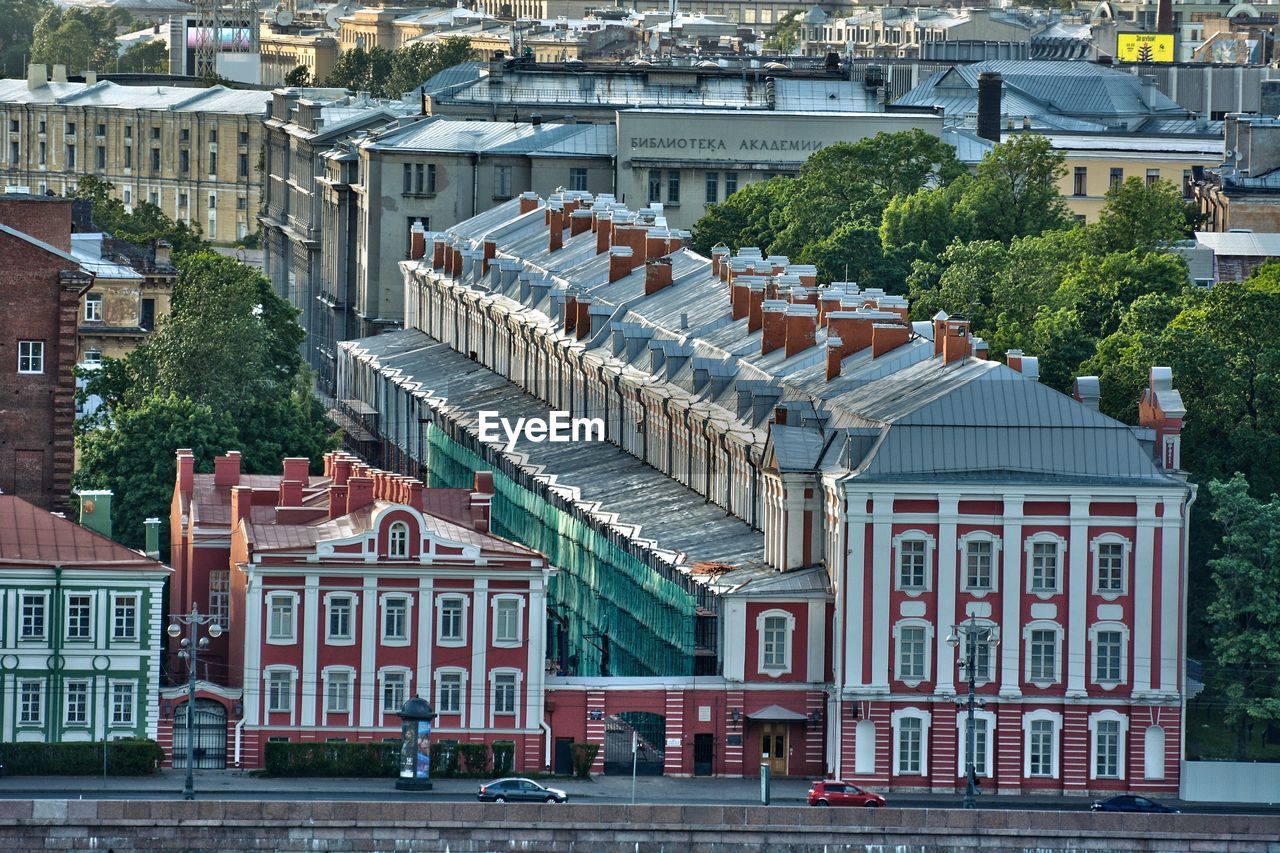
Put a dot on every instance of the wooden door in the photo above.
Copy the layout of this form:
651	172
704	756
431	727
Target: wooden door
773	747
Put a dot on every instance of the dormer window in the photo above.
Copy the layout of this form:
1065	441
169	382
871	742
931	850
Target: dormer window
398	540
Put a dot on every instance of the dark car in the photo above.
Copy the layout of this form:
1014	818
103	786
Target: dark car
833	792
1131	803
519	791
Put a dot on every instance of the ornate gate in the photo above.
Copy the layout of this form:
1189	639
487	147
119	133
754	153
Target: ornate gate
208	734
650	736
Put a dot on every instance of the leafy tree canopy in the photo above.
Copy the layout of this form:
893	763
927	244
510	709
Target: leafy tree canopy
389	74
18	20
78	37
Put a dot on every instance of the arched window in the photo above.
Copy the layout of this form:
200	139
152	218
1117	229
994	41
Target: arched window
864	756
398	540
1153	753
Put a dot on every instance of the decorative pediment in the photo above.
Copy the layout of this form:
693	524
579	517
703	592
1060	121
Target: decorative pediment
396	533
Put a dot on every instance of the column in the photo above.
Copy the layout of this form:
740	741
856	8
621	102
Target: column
816	644
310	627
1011	597
1143	606
855	666
252	652
948	516
881	582
673	751
369	653
1171	574
424	641
1077	597
479	715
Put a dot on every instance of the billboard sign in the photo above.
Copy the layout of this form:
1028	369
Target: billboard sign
1144	47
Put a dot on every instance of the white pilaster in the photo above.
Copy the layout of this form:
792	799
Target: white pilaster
856	519
369	652
1011	596
881	582
816	646
310	629
1143	605
948	516
425	640
1077	597
1170	595
735	640
252	651
479	649
536	639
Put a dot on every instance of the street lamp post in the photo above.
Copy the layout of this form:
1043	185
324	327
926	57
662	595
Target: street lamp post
973	634
190	653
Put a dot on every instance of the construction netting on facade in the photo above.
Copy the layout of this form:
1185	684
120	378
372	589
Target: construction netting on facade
602	597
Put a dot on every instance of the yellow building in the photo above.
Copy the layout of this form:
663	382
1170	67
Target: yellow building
192	152
283	51
128	295
1098	162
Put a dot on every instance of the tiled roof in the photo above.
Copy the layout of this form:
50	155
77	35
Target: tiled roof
30	536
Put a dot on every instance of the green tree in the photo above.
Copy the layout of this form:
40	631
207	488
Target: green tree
1138	215
853	252
145	224
1245	610
785	35
18	19
79	38
928	218
148	57
1100	288
413	65
300	76
966	286
750	217
1015	193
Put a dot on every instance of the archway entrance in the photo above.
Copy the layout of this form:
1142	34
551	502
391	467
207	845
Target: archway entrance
208	734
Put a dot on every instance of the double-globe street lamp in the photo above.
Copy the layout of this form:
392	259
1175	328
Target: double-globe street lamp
190	653
973	634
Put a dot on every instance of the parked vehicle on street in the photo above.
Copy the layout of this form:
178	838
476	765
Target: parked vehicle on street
833	792
1131	803
519	791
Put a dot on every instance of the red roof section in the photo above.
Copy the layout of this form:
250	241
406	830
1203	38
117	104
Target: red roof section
30	536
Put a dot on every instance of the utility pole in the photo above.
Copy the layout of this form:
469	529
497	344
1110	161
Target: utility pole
635	753
190	653
973	634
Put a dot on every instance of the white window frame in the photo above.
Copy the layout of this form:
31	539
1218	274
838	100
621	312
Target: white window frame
273	638
386	673
962	545
1045	537
66	712
1042	715
220	597
508	642
516	677
132	709
927	627
929	545
21	702
993	658
789	632
1126	565
88	636
1109	627
962	744
292	674
34	357
44	617
460	640
332	600
116	598
1056	629
1121	742
331	676
93	307
398	540
925	719
384	600
440	674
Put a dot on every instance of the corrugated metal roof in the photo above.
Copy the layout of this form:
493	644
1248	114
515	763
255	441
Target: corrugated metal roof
30	536
104	93
447	135
1260	244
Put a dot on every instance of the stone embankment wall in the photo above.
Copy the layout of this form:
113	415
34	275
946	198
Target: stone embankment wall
128	825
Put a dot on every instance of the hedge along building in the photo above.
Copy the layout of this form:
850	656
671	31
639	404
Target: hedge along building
345	595
80	642
920	483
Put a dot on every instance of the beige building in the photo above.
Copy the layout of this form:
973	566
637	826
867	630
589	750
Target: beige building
129	294
687	159
191	152
1097	163
284	51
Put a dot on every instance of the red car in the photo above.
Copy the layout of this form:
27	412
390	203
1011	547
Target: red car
833	792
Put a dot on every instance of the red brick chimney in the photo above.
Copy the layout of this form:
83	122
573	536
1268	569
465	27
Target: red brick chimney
739	300
456	269
570	314
413	495
719	255
833	357
981	349
775	326
828	301
584	316
657	275
437	253
939	331
241	505
186	470
490	250
604	235
481	499
297	469
802	328
655	243
619	262
955	342
359	493
555	228
1013	358
528	202
290	493
341	470
886	337
755	307
579	222
854	331
337	501
417	241
1161	409
226	469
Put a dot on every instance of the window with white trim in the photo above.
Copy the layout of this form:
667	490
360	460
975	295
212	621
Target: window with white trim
31	356
395	690
911	642
910	746
978	566
1110	565
339	618
77	710
1110	652
449	692
395	618
1043	660
983	723
398	540
1041	736
93	307
451	621
279	691
506	620
914	549
1107	730
220	597
983	637
79	617
504	692
33	615
124	617
774	629
1044	563
337	690
122	703
30	703
281	621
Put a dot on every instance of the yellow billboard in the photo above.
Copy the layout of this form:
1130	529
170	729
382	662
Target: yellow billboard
1144	47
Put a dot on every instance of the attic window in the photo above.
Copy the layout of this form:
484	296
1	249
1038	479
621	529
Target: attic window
398	540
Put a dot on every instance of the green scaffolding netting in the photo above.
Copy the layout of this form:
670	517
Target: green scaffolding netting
600	588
